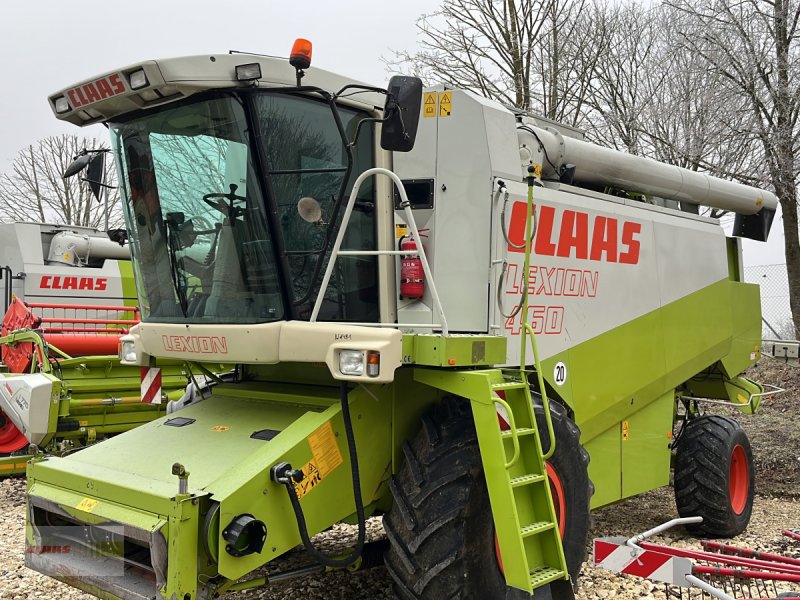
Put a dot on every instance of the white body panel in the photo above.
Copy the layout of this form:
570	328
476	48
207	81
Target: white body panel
25	399
467	154
572	300
28	249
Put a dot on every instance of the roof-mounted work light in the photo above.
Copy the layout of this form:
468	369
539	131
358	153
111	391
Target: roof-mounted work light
248	72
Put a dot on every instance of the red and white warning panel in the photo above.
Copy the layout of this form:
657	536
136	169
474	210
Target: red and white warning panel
614	555
151	385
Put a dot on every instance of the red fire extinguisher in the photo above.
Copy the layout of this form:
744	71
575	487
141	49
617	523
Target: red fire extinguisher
412	275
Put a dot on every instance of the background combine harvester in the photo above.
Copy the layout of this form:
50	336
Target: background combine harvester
61	383
565	302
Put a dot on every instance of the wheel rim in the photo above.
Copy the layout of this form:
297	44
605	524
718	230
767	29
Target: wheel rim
11	438
559	504
559	499
739	480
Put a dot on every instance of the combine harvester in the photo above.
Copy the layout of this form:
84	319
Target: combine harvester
440	310
68	296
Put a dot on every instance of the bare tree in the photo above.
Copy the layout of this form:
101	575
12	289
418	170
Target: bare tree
753	46
506	50
34	189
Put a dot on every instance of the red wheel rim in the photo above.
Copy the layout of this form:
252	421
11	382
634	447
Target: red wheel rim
559	500
559	503
739	480
11	438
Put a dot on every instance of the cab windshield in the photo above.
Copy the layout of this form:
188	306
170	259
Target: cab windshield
230	204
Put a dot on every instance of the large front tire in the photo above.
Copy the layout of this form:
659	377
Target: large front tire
715	476
440	526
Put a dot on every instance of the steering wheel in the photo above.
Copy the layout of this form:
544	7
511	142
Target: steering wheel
229	210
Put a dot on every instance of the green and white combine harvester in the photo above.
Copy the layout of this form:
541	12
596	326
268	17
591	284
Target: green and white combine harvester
68	296
380	266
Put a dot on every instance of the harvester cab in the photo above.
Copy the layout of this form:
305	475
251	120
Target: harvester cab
439	309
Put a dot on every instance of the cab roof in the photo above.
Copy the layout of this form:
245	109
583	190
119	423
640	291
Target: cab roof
156	82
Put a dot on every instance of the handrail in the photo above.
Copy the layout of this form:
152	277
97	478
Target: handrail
336	252
527	329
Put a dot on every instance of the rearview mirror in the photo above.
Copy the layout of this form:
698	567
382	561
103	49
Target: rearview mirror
401	113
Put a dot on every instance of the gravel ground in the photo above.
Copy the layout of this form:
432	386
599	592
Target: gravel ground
776	442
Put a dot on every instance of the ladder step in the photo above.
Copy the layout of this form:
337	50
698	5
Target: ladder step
535	528
544	575
509	385
520	431
526	479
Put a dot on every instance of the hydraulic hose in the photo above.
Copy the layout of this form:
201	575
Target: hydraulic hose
287	480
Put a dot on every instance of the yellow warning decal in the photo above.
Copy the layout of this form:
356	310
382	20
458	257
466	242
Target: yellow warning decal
625	431
429	104
220	428
87	504
327	456
445	104
311	478
400	231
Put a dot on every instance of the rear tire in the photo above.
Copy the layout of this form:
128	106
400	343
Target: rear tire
715	476
440	526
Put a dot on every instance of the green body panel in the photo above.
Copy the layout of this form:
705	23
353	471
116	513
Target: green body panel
128	283
745	301
605	467
737	390
645	446
617	374
133	473
453	351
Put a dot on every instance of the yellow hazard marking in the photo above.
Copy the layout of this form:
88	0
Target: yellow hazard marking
400	231
220	428
311	478
6	467
537	170
429	104
83	423
325	449
445	104
87	504
625	427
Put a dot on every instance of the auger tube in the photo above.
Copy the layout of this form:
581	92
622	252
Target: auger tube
596	165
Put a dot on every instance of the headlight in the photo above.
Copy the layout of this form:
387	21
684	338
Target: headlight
127	351
138	79
62	105
351	362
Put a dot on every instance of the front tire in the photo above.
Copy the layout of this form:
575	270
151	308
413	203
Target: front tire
440	525
715	476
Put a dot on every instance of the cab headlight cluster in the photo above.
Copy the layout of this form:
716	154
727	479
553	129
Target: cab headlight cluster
356	363
127	351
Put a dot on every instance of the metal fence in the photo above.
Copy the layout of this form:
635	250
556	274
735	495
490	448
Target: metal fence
777	317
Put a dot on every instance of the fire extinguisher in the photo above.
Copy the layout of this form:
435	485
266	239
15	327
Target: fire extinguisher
412	275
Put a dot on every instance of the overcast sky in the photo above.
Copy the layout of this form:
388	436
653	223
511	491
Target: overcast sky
47	45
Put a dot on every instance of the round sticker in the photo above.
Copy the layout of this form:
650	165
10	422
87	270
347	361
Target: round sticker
560	373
